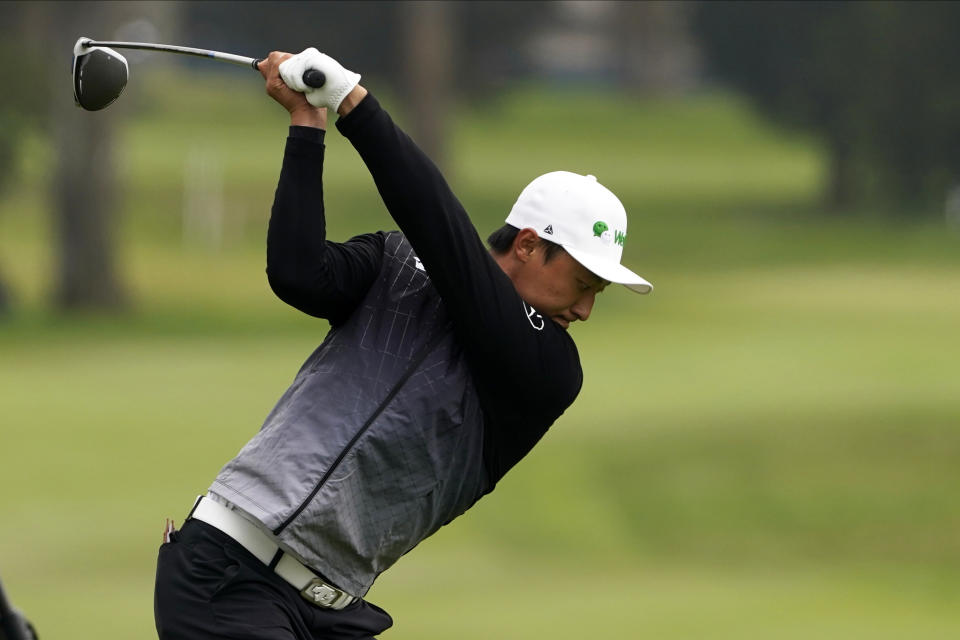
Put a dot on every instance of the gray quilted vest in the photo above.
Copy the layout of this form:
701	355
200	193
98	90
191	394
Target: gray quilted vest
376	444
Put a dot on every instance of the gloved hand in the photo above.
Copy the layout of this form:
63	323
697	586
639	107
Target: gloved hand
339	82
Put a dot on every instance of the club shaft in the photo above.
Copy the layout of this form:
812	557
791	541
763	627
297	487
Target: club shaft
190	51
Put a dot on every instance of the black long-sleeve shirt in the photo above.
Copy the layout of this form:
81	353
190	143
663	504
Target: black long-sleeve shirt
525	366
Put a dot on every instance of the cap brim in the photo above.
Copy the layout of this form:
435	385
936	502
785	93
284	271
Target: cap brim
612	271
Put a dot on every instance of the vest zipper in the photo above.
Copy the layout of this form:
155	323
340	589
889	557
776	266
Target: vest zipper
417	361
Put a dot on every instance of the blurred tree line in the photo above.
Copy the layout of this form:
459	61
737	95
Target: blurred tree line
37	41
20	109
878	81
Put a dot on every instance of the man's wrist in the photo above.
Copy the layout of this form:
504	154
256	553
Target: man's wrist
352	99
309	117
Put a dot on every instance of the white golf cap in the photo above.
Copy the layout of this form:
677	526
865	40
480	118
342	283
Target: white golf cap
583	217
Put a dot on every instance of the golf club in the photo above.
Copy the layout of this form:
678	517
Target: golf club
100	74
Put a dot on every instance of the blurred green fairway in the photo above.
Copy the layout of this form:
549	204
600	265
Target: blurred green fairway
765	447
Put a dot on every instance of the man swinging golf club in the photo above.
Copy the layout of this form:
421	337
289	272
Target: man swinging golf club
444	365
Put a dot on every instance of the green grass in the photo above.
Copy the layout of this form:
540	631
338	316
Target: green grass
764	447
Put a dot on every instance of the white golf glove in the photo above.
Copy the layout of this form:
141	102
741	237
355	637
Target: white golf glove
339	82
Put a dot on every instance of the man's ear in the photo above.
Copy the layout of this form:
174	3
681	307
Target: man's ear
525	244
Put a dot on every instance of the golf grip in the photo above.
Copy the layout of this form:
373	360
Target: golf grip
314	78
311	77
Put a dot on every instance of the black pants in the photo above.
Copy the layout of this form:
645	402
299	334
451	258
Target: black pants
210	588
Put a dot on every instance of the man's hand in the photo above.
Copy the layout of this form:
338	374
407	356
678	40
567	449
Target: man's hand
339	82
302	113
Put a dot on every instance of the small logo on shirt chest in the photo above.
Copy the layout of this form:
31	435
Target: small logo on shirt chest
534	318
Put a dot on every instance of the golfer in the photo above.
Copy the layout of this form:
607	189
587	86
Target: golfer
444	365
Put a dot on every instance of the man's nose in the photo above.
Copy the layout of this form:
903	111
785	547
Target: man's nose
582	307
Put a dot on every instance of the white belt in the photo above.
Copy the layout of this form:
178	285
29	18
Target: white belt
312	587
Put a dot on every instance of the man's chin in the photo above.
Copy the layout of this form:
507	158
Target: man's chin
563	322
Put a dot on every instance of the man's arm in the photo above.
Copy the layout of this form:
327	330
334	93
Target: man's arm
318	277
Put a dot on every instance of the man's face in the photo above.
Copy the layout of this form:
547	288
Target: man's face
560	288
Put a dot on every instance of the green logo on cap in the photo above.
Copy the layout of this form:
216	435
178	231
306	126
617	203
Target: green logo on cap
602	230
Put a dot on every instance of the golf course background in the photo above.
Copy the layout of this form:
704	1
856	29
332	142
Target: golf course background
765	447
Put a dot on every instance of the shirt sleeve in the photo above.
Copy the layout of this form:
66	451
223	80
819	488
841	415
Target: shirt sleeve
526	367
321	278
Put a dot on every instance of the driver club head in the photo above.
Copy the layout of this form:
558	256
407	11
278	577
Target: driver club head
99	75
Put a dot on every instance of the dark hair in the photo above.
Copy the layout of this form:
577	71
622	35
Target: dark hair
502	239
